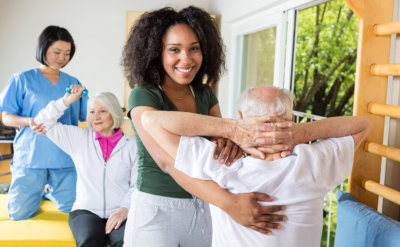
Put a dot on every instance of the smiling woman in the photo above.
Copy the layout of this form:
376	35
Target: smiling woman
57	56
169	68
25	94
167	57
181	55
105	161
104	117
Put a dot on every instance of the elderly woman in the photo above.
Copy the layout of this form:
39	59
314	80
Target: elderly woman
106	165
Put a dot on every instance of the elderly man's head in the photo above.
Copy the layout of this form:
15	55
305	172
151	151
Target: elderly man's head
258	101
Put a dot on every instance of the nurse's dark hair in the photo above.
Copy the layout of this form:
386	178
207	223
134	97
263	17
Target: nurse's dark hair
142	54
50	35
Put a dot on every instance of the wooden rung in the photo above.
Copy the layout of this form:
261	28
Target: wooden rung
381	190
387	29
385	69
382	150
384	110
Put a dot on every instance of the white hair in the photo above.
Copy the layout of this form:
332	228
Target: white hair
109	101
253	102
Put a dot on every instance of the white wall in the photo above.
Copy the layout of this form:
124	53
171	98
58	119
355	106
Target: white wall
97	26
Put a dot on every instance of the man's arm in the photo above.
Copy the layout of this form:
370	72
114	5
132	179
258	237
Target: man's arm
243	208
249	132
355	126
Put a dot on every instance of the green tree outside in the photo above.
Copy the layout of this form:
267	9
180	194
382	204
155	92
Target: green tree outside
326	51
325	65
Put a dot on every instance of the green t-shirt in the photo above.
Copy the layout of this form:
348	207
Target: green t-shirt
150	178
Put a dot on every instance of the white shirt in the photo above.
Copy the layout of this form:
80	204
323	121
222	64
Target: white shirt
102	187
299	182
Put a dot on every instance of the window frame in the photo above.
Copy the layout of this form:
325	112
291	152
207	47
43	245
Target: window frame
284	18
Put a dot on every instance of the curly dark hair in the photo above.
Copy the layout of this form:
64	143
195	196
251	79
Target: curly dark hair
141	56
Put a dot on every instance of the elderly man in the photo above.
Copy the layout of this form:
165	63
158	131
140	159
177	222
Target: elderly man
298	181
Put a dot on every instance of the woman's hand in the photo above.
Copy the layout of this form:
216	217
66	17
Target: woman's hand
245	210
40	129
227	151
264	134
74	95
116	219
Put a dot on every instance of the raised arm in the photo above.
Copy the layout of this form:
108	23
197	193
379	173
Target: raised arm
48	116
242	132
355	126
64	136
243	208
19	121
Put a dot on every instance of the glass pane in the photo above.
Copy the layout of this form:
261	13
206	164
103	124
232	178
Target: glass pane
326	51
259	57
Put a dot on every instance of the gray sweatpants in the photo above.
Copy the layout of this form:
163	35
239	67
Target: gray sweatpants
159	221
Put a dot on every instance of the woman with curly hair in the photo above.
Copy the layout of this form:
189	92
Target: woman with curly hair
171	60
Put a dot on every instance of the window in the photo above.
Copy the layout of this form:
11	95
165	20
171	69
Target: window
325	59
309	47
259	57
259	53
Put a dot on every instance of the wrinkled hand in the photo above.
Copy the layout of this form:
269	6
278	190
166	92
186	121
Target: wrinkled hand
245	210
264	134
266	143
116	219
74	95
40	129
227	151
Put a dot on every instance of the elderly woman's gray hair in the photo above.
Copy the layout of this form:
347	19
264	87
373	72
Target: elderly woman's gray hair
110	101
258	101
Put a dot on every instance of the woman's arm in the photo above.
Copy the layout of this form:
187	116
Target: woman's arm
64	136
226	150
15	120
243	208
116	219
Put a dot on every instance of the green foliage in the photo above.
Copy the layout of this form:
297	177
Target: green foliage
333	209
326	51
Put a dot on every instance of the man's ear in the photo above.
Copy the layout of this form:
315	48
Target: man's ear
293	117
240	115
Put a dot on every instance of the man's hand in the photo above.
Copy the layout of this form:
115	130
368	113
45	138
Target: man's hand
264	134
116	219
245	210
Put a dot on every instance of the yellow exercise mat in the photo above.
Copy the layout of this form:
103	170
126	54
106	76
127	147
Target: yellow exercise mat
49	228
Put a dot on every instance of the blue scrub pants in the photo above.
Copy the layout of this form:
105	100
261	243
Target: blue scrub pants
27	185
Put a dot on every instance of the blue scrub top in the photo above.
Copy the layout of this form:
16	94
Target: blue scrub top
25	94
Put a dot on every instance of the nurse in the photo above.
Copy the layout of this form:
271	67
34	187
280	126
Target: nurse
37	161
